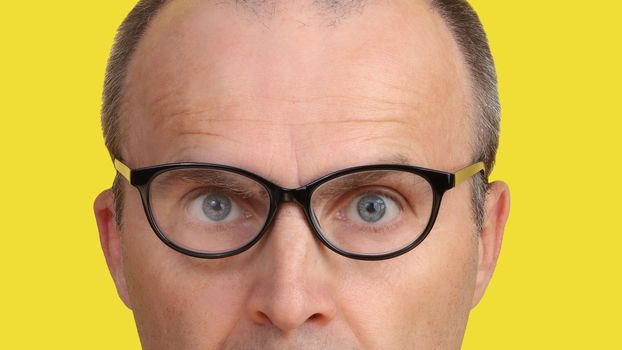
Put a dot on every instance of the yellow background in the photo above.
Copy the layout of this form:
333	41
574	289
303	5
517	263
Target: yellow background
557	285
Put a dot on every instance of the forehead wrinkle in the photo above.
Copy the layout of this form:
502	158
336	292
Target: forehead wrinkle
358	98
189	124
209	134
182	126
203	122
217	104
167	114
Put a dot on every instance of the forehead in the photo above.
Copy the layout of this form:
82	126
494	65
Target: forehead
291	82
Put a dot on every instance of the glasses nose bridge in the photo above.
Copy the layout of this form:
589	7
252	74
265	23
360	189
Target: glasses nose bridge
299	196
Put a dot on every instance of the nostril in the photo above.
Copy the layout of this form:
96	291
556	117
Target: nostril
315	317
261	319
318	319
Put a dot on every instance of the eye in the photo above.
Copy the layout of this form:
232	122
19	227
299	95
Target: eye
214	207
372	208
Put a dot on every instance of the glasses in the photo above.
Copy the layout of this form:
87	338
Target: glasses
370	212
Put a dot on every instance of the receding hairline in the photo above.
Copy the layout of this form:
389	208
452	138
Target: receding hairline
338	9
457	15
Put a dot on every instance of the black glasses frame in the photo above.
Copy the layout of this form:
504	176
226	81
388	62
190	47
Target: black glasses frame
439	181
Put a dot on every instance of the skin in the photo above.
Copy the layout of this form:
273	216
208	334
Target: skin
294	96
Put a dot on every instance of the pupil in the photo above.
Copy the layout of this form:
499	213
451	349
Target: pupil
216	206
371	208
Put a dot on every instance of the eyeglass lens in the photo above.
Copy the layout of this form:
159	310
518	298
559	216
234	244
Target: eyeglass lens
373	212
208	211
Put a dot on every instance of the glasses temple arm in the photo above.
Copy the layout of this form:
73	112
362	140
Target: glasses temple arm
465	173
123	170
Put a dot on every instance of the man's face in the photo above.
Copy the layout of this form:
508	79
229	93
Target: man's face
291	96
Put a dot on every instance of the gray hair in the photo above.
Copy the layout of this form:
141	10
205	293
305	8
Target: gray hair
462	21
469	33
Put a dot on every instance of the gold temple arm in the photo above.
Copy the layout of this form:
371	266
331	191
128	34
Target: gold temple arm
465	173
122	169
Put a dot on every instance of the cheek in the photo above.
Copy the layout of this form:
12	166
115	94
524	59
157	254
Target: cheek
422	298
176	300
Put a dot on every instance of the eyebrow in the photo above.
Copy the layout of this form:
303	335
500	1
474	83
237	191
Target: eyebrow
351	182
219	179
358	180
397	158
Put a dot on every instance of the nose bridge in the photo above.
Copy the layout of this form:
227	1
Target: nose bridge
300	198
291	225
289	292
291	234
291	238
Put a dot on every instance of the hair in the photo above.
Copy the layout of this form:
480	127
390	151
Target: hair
469	33
459	16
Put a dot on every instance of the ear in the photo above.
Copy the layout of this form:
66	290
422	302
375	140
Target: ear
497	209
110	239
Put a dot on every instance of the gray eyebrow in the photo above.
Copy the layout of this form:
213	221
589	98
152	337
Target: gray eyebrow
349	182
217	178
353	181
397	158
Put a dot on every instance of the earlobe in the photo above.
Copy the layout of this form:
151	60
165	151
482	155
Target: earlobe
497	211
110	239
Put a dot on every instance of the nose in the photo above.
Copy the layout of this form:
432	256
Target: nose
292	284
